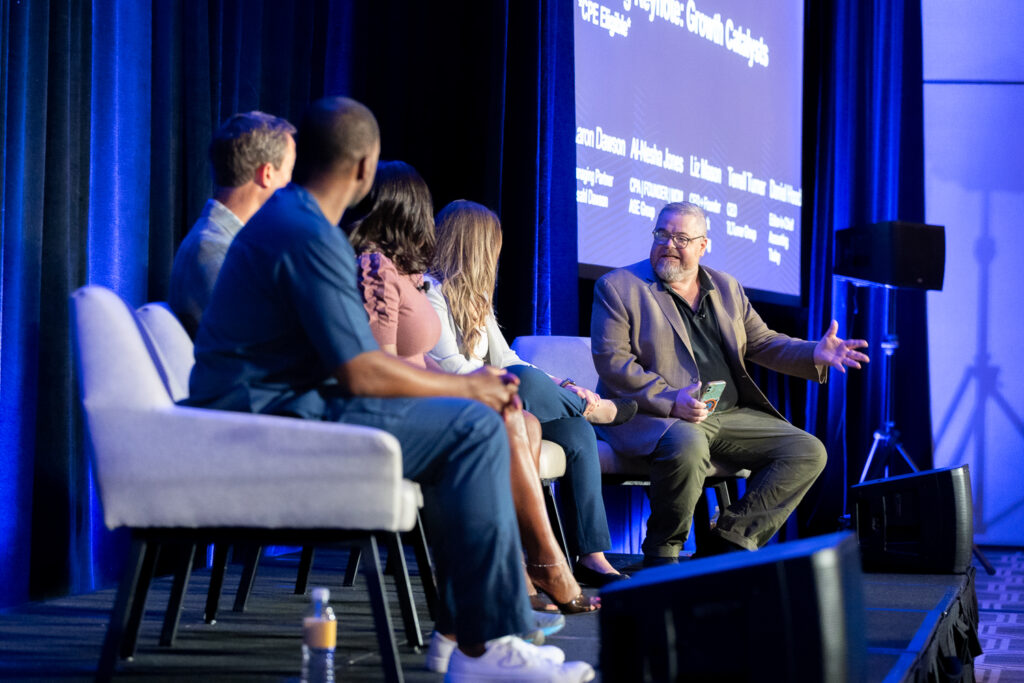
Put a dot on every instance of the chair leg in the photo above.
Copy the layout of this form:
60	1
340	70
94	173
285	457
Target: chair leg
381	615
248	577
353	566
556	519
220	564
123	604
403	586
723	491
182	574
138	608
305	569
426	568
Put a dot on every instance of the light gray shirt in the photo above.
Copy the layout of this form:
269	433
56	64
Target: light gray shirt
198	261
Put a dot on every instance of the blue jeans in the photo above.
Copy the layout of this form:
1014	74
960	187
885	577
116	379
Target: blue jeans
457	450
560	413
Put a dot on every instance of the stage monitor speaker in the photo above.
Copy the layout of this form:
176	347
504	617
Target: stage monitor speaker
921	523
788	612
893	253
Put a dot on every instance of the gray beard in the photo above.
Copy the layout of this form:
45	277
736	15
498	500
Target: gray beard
669	272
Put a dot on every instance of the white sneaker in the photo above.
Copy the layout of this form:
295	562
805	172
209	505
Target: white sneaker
441	648
544	625
512	659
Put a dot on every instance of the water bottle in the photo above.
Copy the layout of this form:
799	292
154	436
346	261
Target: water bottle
319	636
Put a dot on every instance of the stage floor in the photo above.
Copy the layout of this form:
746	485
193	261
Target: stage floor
908	618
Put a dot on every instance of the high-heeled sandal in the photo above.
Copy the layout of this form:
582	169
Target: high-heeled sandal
540	576
539	603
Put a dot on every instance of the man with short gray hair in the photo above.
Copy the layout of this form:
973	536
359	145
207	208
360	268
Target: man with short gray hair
664	328
251	157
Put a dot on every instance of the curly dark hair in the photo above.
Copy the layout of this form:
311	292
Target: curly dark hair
400	223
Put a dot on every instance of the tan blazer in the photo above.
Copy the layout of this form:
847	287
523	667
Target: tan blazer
642	350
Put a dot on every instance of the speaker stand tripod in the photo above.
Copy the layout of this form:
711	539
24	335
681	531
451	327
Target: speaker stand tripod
887	441
887	438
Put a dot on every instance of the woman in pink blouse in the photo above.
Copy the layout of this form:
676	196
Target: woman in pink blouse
394	243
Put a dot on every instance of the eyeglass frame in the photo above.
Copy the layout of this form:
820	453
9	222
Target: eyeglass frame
675	238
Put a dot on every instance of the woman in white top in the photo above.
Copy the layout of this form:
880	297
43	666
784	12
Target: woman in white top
462	280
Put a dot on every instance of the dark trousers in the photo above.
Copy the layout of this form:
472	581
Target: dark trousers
560	413
457	450
784	460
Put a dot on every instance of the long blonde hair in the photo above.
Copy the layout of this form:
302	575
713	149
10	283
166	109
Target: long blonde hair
466	264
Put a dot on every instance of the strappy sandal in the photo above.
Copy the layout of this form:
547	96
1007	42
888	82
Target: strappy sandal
541	575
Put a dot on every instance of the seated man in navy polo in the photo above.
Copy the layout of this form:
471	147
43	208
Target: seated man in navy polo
286	333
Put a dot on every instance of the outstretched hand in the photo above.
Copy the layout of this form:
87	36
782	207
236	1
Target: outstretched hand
839	353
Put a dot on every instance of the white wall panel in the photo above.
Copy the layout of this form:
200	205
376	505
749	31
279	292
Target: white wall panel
974	161
973	40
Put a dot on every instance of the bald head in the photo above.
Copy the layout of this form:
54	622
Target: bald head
335	133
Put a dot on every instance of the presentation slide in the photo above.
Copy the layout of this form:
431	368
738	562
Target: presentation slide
698	101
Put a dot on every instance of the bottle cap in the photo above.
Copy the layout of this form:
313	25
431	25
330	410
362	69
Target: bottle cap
321	594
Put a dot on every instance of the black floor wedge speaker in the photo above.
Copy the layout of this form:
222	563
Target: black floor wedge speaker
921	523
893	253
788	612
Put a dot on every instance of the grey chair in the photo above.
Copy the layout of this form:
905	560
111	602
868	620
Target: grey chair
174	353
173	474
565	356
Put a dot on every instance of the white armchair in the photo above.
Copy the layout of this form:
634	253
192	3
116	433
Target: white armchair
167	471
174	356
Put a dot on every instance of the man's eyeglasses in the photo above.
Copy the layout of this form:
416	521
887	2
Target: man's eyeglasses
679	240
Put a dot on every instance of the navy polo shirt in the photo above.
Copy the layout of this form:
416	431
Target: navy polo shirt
285	313
706	341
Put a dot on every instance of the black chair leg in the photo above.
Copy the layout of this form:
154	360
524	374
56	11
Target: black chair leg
138	608
381	615
248	577
220	564
556	519
182	574
305	569
723	491
425	567
403	586
353	566
126	595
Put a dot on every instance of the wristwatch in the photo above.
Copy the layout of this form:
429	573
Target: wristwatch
566	382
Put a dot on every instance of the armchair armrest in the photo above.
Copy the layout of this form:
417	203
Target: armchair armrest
193	467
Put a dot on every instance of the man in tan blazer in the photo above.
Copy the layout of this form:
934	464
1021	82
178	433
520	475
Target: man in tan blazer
663	327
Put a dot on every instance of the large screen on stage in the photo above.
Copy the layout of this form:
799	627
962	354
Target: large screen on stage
698	101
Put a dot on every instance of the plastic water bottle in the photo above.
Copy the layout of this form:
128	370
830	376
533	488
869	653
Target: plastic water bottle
319	636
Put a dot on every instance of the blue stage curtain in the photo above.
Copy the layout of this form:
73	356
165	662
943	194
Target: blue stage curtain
865	163
107	109
106	112
537	292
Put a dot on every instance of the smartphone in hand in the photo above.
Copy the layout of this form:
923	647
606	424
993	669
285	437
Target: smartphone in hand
711	394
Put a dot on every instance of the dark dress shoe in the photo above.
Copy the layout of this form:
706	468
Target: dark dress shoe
625	409
716	545
655	561
588	577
